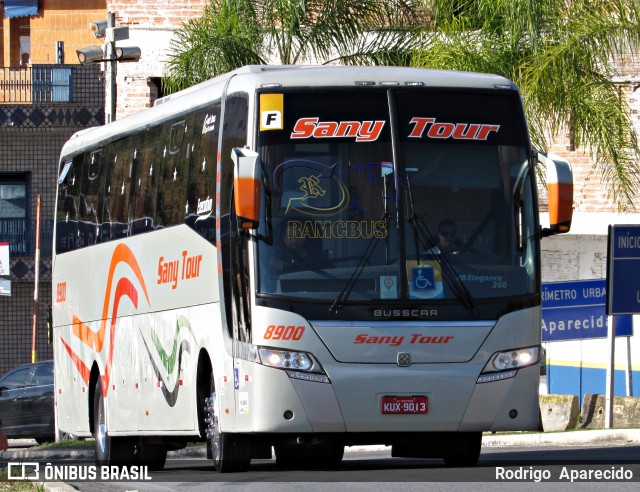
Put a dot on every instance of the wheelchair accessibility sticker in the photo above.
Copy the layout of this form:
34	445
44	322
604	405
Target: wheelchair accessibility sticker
423	278
426	282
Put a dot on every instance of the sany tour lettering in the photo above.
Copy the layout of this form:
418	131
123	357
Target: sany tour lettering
362	131
457	131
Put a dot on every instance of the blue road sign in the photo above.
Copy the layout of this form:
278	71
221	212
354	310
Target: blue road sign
575	310
623	260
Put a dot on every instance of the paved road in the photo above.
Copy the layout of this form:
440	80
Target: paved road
520	462
519	468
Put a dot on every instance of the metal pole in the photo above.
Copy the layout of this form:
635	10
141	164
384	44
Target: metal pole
110	72
37	280
629	378
611	370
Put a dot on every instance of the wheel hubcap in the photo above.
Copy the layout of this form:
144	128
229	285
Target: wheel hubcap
213	426
101	433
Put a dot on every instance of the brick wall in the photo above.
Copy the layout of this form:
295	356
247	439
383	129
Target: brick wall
151	26
155	13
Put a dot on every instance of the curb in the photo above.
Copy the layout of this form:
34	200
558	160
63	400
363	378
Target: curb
569	438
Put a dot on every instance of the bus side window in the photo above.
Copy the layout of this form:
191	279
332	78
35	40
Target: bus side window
175	156
91	197
201	189
144	208
68	213
120	160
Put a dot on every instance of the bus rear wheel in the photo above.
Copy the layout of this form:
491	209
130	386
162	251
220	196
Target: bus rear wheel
109	450
151	455
230	452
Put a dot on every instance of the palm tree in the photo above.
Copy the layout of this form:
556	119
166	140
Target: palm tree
232	33
563	55
226	37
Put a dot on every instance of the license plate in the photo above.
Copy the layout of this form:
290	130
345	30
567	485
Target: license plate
404	405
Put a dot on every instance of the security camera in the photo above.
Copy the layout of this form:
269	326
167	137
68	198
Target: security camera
128	53
99	28
90	54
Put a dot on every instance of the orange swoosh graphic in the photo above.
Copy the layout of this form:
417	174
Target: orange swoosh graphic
81	366
95	339
124	288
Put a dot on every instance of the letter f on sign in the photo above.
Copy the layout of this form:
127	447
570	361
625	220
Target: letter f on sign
271	109
272	120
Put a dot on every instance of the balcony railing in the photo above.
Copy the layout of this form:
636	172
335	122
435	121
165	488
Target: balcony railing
36	84
20	234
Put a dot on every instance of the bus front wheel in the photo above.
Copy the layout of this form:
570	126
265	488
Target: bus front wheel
230	452
109	450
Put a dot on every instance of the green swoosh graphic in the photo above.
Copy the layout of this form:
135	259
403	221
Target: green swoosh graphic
169	361
170	396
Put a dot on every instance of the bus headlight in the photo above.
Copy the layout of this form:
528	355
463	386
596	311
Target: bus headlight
508	362
289	360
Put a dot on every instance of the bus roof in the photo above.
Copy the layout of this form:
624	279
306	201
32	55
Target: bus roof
253	77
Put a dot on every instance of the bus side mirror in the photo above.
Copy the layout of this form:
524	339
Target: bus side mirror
247	186
560	194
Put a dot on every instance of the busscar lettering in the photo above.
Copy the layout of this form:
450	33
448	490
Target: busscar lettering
405	313
445	130
361	131
184	268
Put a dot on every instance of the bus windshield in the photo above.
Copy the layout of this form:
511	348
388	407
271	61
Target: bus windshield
397	194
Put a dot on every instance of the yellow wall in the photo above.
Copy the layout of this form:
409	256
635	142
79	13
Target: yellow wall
64	20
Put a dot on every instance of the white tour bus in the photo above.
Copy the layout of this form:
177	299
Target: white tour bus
303	259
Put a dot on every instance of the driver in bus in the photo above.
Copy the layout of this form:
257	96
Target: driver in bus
447	242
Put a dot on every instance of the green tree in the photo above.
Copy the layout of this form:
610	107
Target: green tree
564	55
226	37
233	33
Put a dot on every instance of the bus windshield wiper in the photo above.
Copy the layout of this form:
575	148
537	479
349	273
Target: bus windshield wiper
355	275
423	238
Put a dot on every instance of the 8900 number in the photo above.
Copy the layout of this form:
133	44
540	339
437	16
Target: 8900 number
282	332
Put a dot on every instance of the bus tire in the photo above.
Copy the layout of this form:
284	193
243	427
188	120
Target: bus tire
463	449
230	452
109	450
154	456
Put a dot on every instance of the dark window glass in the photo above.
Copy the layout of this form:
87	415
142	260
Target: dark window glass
43	375
120	169
145	183
91	198
175	160
201	189
68	211
18	379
